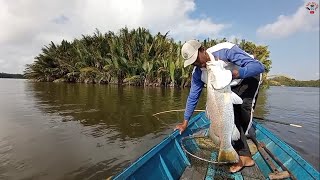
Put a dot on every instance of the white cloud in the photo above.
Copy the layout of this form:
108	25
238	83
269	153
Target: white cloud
26	26
284	26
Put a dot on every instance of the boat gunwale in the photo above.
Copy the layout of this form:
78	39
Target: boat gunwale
293	154
138	163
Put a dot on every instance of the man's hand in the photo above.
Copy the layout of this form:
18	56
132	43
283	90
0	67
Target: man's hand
182	126
235	73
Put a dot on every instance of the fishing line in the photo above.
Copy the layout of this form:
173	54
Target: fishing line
169	111
175	110
184	147
263	119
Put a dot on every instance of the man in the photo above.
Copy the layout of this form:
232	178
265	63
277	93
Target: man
246	73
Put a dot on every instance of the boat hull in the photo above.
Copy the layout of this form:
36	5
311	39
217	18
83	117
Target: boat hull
167	160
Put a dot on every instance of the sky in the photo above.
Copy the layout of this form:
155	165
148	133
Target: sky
286	27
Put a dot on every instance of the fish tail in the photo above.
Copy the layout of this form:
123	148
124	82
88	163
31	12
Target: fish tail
228	155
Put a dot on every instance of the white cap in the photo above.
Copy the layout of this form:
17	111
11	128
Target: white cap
189	52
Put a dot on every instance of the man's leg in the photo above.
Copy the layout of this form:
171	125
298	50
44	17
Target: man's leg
248	91
241	145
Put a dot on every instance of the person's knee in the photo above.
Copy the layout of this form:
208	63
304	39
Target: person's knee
247	105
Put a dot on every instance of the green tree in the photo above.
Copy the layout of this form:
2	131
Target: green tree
134	57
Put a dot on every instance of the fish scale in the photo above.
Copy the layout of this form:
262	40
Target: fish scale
219	111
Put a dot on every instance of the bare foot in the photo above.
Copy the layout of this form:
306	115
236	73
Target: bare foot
244	161
247	161
237	166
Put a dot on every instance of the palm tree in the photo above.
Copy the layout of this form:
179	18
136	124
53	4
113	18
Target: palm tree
134	57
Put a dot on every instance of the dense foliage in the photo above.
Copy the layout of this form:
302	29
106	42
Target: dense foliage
287	81
134	57
15	76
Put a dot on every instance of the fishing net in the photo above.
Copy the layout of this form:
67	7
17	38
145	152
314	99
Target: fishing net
203	154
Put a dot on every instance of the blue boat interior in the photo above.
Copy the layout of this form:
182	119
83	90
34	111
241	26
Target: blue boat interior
167	160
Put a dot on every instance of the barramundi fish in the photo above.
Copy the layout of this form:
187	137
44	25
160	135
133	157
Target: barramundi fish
219	110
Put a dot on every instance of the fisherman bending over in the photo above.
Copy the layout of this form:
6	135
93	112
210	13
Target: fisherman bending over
246	74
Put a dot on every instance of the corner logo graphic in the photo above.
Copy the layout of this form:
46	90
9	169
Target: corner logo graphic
312	7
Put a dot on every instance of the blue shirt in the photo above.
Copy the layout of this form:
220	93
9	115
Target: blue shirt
228	52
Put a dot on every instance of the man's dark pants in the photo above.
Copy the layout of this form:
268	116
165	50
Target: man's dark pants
248	91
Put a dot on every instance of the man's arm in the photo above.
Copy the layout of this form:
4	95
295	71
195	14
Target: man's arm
248	66
194	94
193	98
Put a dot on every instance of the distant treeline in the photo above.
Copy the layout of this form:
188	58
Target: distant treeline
287	81
15	76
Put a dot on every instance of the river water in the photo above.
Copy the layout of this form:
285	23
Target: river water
86	131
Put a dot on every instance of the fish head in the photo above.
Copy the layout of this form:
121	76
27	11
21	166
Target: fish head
218	76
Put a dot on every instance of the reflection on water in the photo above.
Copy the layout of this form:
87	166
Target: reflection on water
72	131
260	106
126	110
57	131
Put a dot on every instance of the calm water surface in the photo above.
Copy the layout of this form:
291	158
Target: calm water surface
79	131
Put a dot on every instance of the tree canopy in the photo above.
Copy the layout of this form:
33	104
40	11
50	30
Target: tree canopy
134	57
287	81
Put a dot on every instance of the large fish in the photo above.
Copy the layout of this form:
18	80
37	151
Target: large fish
219	110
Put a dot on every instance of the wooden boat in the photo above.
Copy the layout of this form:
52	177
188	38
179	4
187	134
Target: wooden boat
274	159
